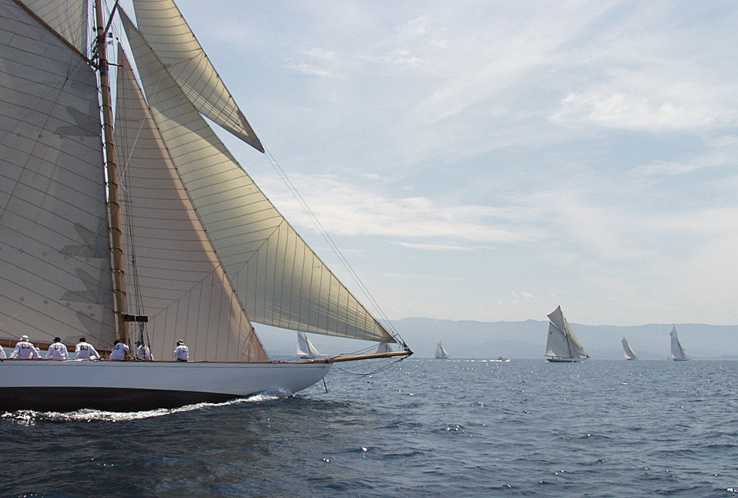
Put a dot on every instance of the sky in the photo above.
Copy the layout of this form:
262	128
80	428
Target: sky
491	160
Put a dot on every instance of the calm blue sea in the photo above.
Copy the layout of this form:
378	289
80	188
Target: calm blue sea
421	428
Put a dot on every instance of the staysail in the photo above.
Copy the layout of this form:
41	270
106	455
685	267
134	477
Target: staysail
53	226
280	281
177	274
677	351
628	351
562	344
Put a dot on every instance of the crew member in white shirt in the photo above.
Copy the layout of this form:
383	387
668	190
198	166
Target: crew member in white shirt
57	351
143	352
85	351
182	352
120	350
24	350
2	353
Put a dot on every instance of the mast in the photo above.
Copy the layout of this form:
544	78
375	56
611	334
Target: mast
116	245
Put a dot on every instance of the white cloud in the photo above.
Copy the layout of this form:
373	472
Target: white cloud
611	109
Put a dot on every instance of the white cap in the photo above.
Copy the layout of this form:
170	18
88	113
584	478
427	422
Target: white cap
24	338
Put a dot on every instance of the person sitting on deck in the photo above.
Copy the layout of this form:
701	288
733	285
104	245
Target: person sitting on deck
57	350
143	352
85	351
182	352
24	350
120	351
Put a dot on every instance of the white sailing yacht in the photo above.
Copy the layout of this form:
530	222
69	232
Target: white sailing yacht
441	353
305	348
562	344
628	351
197	251
677	351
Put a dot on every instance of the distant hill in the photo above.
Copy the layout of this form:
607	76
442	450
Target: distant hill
472	339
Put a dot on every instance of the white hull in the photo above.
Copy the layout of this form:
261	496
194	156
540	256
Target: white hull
564	360
129	386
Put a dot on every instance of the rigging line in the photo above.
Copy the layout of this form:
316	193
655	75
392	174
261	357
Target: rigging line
313	217
365	374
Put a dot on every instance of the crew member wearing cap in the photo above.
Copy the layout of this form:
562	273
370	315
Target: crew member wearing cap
85	351
57	351
24	350
182	352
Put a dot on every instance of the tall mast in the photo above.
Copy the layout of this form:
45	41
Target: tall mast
119	280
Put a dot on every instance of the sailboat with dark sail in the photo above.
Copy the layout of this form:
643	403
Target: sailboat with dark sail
155	195
562	344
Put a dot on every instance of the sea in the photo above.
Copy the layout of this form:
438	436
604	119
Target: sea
421	427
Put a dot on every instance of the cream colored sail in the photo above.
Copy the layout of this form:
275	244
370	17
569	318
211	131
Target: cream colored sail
54	254
279	279
68	18
168	34
177	277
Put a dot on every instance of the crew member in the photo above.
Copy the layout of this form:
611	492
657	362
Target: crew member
120	350
143	352
24	350
182	352
57	350
85	351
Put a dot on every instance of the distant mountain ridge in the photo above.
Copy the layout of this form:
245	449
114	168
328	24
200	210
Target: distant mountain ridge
527	339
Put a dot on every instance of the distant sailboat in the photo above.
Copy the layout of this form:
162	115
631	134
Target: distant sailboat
677	351
629	353
305	348
562	345
384	347
441	353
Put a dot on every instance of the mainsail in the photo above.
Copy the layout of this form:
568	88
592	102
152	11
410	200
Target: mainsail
562	344
441	353
628	351
54	250
677	351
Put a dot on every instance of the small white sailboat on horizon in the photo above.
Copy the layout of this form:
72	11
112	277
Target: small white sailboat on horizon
305	348
441	353
628	351
677	351
562	345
